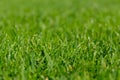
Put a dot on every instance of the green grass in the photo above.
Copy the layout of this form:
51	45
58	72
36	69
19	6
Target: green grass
59	40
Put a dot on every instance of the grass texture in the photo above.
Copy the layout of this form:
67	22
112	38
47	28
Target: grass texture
59	40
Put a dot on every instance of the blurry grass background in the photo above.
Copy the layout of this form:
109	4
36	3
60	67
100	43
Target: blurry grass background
59	40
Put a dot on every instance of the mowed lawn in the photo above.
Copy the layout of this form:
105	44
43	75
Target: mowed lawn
59	40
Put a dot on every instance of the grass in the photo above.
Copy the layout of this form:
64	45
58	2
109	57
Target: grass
59	40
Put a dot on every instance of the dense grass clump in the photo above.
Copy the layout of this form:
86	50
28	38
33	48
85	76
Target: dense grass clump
59	40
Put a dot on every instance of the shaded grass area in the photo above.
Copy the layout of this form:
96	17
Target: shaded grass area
59	40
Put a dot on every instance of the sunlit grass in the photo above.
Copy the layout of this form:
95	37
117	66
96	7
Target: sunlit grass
59	40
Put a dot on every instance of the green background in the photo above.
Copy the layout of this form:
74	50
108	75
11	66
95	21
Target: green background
59	40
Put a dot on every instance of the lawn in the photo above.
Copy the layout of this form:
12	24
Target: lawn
59	40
